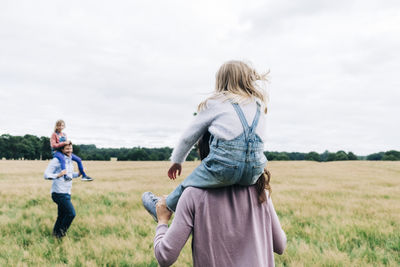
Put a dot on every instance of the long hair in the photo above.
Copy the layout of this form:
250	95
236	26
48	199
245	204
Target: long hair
58	123
262	184
203	146
236	80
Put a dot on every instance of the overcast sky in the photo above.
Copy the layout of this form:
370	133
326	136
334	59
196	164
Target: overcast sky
131	73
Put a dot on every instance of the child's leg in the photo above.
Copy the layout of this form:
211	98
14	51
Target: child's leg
204	176
60	157
80	165
172	198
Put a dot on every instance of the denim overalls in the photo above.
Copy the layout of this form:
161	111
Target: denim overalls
238	161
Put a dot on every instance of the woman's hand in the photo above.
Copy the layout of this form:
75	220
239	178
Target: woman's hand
176	167
163	213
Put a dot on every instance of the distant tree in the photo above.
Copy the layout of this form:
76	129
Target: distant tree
16	147
324	156
375	156
137	154
32	147
282	156
122	157
331	157
270	155
26	150
296	156
77	150
45	148
2	147
6	146
98	156
391	155
341	155
312	156
351	156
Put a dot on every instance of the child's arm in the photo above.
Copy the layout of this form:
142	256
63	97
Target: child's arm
54	141
176	167
192	134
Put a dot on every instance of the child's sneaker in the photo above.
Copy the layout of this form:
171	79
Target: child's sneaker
86	178
149	201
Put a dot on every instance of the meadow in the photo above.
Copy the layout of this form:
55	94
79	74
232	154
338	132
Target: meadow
334	214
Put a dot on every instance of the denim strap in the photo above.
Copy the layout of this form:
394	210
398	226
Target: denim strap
247	129
242	118
256	119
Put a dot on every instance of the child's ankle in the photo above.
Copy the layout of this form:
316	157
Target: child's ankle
171	210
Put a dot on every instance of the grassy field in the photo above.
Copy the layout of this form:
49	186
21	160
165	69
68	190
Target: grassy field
334	214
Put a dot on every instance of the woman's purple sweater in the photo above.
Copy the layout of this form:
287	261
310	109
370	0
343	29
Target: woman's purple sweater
229	227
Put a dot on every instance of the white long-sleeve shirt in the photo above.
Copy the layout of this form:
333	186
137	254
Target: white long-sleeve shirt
60	185
222	121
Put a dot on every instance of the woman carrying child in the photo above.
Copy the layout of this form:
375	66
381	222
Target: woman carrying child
234	117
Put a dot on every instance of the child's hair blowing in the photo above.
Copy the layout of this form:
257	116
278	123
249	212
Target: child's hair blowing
58	123
237	80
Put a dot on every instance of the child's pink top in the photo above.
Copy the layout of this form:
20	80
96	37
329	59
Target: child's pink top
55	140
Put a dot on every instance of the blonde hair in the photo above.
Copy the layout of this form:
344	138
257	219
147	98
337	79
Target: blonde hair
236	80
58	123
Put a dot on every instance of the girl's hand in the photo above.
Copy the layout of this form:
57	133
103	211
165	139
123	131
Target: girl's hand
163	213
62	173
176	167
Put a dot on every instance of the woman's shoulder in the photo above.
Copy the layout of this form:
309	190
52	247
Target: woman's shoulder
233	189
191	197
193	191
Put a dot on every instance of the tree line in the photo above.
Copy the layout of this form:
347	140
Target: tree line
31	147
332	156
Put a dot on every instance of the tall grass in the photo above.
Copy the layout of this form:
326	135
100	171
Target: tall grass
334	214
